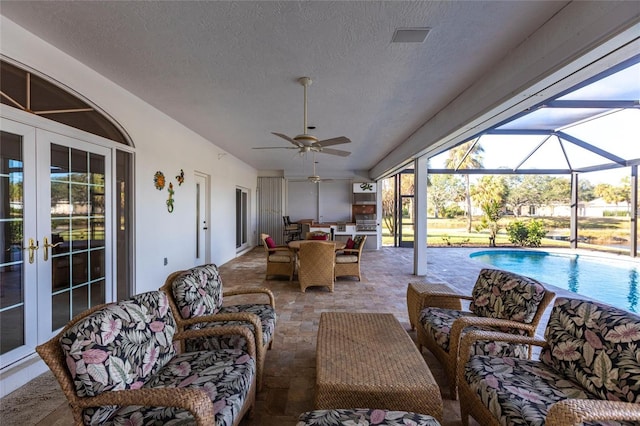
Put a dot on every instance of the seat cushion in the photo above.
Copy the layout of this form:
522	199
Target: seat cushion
505	295
120	346
363	416
226	377
346	258
265	312
279	258
437	322
198	291
518	391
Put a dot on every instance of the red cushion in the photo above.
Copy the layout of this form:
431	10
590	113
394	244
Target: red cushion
319	237
270	242
350	243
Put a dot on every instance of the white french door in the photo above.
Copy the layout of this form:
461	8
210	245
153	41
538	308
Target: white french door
202	255
55	218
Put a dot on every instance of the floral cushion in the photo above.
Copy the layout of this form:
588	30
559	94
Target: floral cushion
517	391
226	377
438	322
120	346
505	295
364	417
265	312
596	346
198	291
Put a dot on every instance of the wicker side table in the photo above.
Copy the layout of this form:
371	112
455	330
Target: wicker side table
421	295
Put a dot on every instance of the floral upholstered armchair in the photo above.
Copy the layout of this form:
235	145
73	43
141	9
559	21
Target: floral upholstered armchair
499	299
117	364
197	296
588	372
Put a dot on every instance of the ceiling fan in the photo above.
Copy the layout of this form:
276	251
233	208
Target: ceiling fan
308	143
315	178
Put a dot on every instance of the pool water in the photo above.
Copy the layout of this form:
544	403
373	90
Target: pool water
608	280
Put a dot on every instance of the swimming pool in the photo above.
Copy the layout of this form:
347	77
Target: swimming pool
611	281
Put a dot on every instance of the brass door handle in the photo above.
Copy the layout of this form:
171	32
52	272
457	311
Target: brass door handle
33	246
46	246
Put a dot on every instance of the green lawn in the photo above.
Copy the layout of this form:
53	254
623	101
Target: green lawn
453	232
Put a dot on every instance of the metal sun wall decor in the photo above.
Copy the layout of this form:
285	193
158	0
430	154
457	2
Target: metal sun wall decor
159	182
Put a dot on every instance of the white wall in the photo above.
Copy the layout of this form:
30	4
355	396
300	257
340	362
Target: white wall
160	144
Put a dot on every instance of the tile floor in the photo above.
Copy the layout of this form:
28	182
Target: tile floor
290	365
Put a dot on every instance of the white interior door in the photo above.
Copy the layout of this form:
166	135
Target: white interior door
203	253
56	231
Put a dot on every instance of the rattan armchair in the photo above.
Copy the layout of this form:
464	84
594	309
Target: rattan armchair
500	300
588	371
348	260
117	363
196	295
280	259
316	263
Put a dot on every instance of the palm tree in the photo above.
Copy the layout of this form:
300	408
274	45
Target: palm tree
466	156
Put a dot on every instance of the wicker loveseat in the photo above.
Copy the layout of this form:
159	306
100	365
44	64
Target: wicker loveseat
117	364
499	299
588	371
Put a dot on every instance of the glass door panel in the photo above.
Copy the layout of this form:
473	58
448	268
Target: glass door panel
17	266
77	221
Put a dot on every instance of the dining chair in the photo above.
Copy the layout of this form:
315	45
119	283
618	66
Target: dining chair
348	260
280	259
316	264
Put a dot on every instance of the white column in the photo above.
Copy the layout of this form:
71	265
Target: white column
420	216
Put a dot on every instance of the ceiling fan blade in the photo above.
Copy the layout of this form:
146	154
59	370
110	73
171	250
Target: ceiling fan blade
274	147
334	141
287	138
335	152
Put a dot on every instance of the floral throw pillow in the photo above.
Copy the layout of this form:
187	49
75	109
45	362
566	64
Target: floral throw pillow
198	291
120	346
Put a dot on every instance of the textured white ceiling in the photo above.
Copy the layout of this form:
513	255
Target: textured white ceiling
229	70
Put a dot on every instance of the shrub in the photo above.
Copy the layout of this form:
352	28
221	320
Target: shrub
529	234
452	211
518	233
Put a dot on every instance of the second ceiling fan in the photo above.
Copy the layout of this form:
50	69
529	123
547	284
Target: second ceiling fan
305	142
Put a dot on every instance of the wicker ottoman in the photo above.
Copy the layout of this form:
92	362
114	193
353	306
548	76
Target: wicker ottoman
421	295
367	360
364	416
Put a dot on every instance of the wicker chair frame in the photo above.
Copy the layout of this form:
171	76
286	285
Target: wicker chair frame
316	264
353	268
194	400
570	412
279	268
449	360
250	318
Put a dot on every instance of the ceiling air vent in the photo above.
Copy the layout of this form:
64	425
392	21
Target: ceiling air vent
410	35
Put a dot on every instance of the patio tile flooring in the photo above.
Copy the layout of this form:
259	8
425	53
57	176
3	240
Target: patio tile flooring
290	365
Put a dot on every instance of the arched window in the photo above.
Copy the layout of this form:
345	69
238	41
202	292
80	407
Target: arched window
28	92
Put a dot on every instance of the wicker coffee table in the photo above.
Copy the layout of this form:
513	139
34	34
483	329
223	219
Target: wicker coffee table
369	361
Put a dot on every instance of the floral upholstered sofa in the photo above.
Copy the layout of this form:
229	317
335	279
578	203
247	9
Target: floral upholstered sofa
117	364
588	371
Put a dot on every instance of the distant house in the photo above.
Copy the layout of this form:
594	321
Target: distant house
594	208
